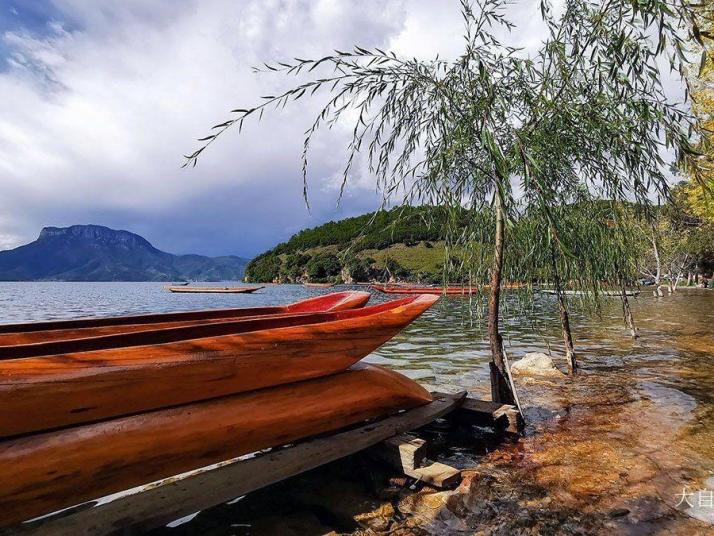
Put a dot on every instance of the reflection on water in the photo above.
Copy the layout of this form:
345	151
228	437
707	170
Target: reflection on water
609	451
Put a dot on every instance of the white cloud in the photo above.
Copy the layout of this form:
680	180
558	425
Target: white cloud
95	119
97	111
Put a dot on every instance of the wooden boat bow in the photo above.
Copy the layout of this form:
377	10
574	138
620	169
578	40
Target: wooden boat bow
50	385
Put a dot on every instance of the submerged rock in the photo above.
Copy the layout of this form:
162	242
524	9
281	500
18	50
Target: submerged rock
535	364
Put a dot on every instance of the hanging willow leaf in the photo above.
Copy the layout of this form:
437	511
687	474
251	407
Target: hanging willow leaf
581	122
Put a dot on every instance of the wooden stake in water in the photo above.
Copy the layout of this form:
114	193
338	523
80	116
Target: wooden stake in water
627	313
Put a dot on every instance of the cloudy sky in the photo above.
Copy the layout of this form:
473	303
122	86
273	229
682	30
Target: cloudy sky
99	99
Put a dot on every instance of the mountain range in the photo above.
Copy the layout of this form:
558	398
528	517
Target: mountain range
97	253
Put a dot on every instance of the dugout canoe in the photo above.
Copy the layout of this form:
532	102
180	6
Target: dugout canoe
216	290
404	289
34	332
72	382
54	470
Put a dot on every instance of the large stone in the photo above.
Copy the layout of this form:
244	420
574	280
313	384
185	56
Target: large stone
535	364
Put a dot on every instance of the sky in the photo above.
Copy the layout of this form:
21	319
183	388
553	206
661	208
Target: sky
99	100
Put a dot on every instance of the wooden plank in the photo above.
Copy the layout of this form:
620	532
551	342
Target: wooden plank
164	501
403	452
407	453
437	474
486	413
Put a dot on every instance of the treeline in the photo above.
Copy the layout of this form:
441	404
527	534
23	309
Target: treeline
333	251
676	243
376	230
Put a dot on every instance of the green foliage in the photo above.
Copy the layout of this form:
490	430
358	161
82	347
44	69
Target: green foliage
376	230
263	268
542	137
323	266
359	269
699	192
364	243
586	112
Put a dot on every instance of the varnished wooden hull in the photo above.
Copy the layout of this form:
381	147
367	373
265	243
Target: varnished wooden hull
50	471
53	389
215	290
37	332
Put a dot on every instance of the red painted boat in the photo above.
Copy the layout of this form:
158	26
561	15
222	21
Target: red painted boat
50	471
407	289
33	332
60	383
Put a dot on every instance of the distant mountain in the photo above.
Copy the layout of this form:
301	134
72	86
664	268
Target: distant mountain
96	253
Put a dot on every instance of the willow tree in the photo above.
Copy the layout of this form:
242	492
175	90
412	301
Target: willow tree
585	245
699	193
499	124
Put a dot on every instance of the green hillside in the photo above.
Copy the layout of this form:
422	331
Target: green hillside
405	243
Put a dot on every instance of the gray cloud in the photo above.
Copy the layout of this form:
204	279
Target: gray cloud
98	108
95	119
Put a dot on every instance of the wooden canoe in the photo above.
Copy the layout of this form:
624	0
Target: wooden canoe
403	289
71	382
54	470
34	332
319	285
216	290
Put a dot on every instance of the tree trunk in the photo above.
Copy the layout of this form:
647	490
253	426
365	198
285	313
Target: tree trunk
500	387
564	316
627	313
658	276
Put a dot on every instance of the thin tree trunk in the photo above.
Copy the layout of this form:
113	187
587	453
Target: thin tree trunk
500	387
627	313
658	275
564	316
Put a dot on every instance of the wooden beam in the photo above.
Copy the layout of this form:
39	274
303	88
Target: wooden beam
159	503
404	451
486	413
438	475
407	453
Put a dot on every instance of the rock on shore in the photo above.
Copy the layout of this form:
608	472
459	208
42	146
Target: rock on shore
535	364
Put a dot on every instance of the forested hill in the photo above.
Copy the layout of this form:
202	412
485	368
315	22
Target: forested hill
405	242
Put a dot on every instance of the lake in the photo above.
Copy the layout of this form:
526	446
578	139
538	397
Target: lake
614	449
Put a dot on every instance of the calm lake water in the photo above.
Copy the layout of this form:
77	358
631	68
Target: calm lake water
612	450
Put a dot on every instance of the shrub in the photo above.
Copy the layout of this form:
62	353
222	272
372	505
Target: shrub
323	266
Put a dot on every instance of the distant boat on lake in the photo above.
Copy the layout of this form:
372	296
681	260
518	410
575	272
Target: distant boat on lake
409	289
216	290
582	292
